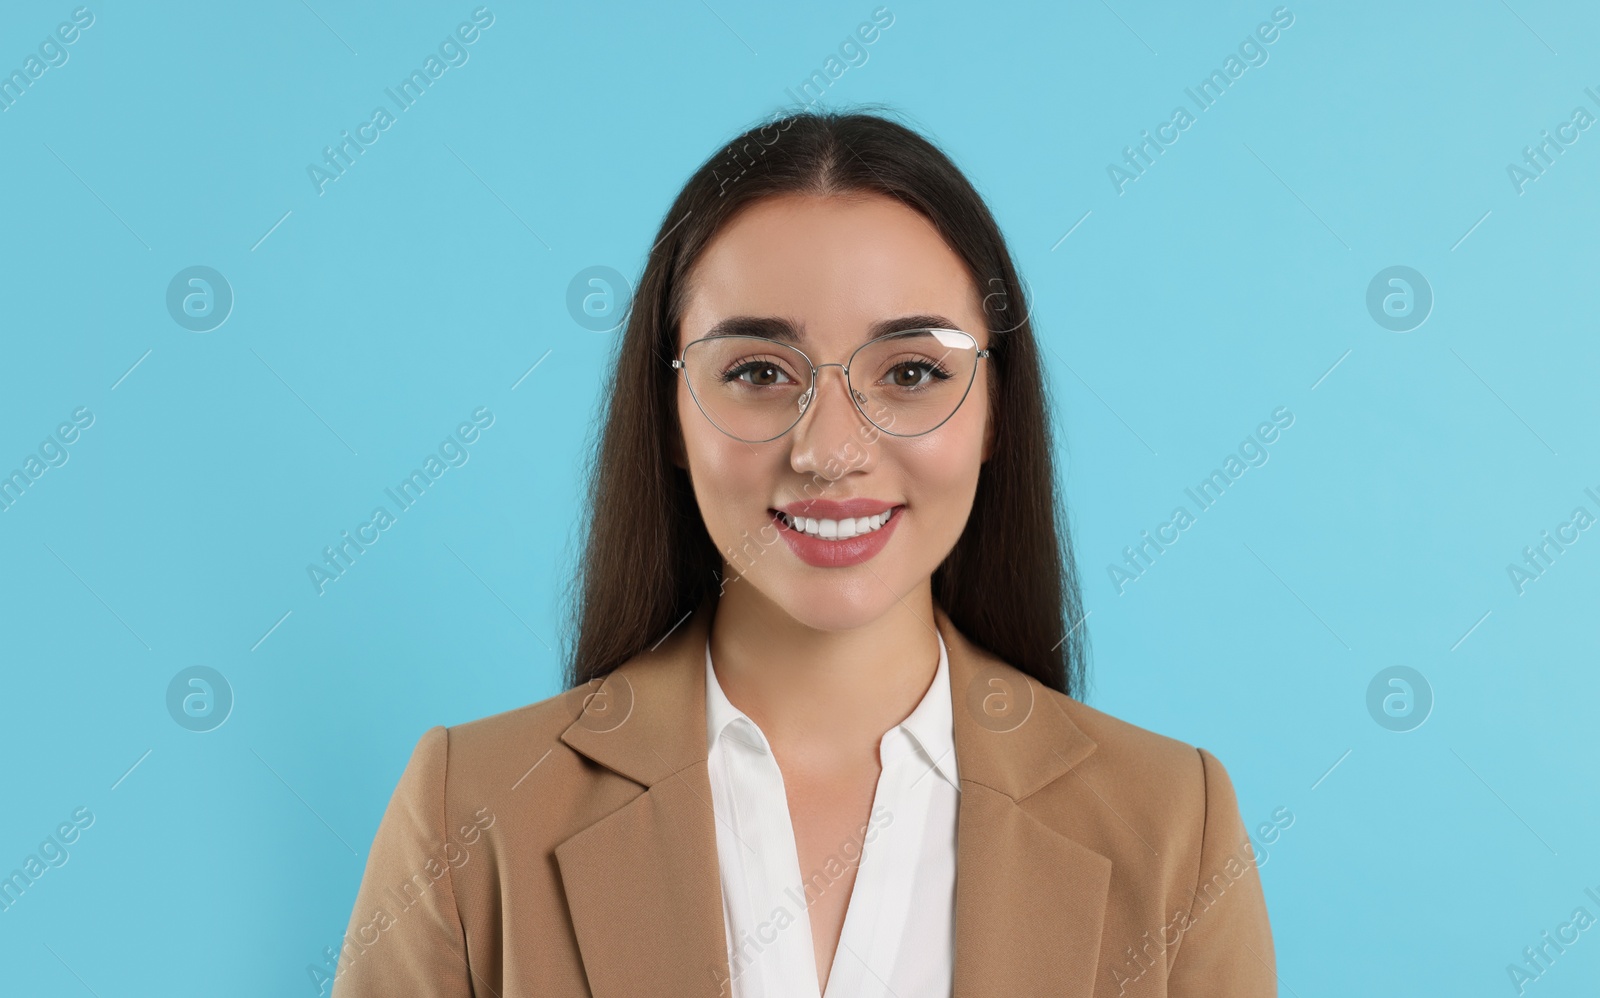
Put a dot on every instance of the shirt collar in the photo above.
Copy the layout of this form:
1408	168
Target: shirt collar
930	724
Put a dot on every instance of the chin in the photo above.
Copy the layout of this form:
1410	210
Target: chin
836	605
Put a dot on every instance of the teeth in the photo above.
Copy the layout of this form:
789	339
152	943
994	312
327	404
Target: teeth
839	530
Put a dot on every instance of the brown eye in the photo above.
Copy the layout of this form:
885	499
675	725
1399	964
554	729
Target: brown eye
761	374
908	375
916	374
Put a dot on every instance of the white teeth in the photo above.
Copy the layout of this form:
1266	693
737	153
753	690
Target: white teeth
839	530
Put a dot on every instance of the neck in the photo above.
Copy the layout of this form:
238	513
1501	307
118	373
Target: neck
824	698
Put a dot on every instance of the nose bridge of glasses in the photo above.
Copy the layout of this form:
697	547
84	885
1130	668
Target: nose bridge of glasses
823	431
844	372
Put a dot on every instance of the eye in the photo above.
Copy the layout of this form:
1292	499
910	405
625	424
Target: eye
763	374
914	374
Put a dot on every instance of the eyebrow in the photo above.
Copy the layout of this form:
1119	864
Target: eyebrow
787	331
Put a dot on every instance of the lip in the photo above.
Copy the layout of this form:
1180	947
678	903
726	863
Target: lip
837	509
821	553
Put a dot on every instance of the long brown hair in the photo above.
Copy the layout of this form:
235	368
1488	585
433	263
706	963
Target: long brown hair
1009	584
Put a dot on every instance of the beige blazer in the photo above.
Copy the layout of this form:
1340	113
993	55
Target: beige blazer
568	848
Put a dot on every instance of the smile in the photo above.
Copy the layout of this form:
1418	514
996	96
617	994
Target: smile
837	530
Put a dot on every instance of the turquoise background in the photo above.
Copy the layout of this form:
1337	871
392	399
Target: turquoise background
432	278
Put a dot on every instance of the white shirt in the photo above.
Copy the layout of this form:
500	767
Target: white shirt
899	929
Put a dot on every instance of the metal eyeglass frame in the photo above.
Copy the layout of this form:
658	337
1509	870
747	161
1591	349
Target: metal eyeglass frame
856	397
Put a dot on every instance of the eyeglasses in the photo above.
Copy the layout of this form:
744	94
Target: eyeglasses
905	383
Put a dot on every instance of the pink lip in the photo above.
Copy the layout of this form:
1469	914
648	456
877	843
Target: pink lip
837	509
821	553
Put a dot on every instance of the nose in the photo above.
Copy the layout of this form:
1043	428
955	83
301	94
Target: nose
830	438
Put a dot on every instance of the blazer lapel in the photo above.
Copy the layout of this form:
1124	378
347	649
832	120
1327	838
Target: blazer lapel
1030	902
643	884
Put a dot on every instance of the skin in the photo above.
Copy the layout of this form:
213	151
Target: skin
827	660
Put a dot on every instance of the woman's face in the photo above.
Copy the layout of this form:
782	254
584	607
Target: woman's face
832	268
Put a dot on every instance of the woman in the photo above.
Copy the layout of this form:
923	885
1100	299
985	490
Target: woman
822	733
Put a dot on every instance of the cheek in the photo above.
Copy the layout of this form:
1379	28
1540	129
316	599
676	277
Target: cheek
709	455
942	468
943	473
727	474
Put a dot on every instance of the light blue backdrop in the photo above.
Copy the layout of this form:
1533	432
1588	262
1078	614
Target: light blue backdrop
1223	280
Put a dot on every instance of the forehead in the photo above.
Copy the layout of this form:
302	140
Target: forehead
832	267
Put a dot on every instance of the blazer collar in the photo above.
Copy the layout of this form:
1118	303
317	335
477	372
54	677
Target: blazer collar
643	884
